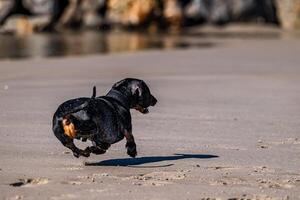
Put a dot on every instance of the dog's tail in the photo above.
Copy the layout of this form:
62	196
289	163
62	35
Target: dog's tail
94	93
80	107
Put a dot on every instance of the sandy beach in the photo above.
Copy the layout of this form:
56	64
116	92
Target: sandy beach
226	125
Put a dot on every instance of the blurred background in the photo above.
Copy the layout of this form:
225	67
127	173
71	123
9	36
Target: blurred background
42	28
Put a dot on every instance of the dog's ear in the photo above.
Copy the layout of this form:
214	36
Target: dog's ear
137	93
94	92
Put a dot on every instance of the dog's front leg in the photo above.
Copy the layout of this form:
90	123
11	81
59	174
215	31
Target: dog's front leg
76	151
130	144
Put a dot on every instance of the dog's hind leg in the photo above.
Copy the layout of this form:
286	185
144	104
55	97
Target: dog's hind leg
76	151
130	144
95	150
59	132
98	147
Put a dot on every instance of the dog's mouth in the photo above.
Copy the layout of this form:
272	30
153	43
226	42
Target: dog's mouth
141	109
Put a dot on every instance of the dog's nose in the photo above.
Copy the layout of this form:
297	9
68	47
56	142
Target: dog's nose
153	101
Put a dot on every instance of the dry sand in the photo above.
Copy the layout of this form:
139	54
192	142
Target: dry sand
226	125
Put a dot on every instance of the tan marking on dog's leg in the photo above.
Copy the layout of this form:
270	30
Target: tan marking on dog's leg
69	128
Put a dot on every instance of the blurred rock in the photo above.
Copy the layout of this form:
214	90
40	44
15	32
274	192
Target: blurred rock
21	25
72	14
147	14
131	12
172	13
61	13
221	12
28	8
289	13
38	6
87	13
91	16
5	7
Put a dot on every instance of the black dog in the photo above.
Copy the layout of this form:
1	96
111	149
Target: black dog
104	120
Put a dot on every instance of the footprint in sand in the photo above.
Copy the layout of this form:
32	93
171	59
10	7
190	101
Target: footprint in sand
286	141
245	197
262	145
275	184
72	182
64	196
229	181
159	178
16	197
30	182
87	179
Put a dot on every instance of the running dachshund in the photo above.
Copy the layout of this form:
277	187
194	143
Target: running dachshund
103	120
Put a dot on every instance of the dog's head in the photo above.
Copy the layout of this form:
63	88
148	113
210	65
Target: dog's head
140	95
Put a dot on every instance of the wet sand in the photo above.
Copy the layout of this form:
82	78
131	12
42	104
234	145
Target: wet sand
226	125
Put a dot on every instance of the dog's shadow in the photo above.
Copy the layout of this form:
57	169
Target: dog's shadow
135	162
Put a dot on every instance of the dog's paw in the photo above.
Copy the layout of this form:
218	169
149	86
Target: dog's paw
131	149
76	154
79	153
132	152
85	153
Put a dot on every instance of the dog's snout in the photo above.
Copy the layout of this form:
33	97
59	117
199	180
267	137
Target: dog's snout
153	100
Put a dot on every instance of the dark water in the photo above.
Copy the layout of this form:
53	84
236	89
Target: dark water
85	43
91	42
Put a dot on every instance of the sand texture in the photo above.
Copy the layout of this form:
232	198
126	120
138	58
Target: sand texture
226	126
